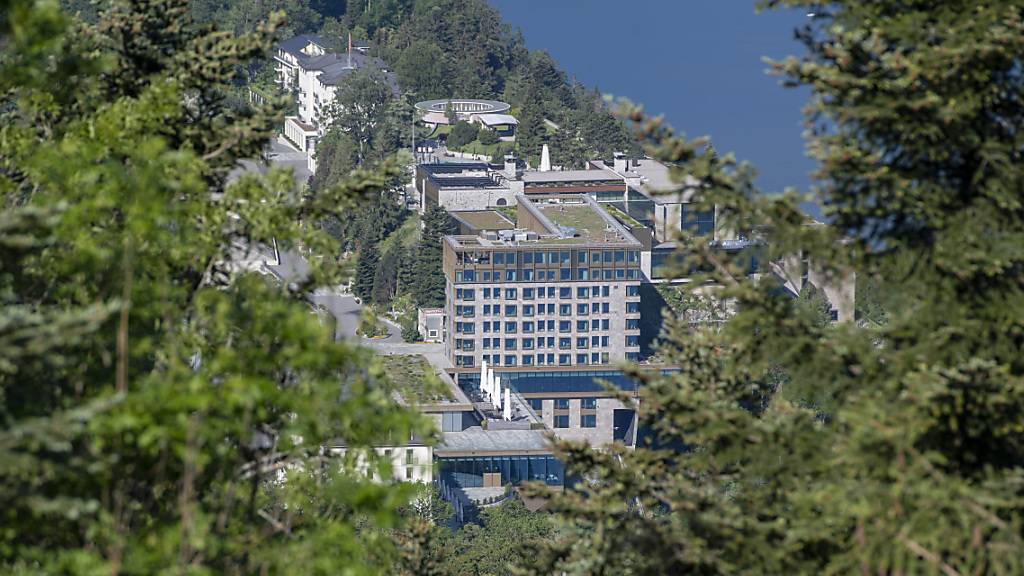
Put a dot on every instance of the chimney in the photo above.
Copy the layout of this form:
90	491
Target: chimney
620	164
510	166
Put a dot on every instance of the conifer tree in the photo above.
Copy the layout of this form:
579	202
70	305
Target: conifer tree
838	449
429	283
163	411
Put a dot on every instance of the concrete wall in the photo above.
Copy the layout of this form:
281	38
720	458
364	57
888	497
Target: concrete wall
419	469
602	434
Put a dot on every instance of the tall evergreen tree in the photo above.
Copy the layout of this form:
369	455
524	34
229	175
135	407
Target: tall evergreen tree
366	271
429	283
913	465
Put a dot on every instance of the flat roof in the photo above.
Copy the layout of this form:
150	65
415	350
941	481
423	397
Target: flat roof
464	105
537	177
476	439
656	181
564	220
419	383
484	219
591	223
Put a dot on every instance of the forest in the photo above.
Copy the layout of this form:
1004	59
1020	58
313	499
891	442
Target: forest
165	413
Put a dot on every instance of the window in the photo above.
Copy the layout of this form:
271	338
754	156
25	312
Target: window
527	360
527	293
510	343
582	326
565	310
595	341
565	258
487	343
620	273
561	403
528	310
562	421
565	274
699	222
633	324
565	293
595	324
551	309
536	403
510	360
511	311
487	276
581	309
551	325
510	293
528	275
604	307
564	326
564	343
487	293
540	359
499	258
588	421
563	359
605	291
604	341
551	290
581	358
583	292
583	342
609	274
409	456
588	404
552	257
463	360
510	327
594	358
527	327
633	290
632	307
595	257
510	275
487	310
527	343
604	324
528	258
595	307
408	473
620	256
632	256
632	340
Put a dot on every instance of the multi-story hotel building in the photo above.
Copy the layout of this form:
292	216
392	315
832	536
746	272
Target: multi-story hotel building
560	290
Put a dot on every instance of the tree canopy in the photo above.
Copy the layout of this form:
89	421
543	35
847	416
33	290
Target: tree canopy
913	463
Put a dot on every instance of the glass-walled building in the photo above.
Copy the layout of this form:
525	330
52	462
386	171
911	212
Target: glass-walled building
480	471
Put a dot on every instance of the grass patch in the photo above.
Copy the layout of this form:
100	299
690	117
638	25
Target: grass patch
415	379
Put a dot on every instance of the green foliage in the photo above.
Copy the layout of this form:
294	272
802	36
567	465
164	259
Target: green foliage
154	397
422	69
913	464
462	133
361	107
503	539
488	137
428	286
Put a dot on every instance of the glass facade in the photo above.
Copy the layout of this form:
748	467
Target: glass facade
469	471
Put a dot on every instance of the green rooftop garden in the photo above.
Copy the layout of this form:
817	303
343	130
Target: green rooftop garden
415	379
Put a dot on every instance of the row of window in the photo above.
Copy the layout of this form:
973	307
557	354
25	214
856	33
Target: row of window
563	404
530	326
595	358
530	310
537	359
582	343
563	292
512	310
560	258
563	274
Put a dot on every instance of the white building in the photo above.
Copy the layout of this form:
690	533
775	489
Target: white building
307	68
